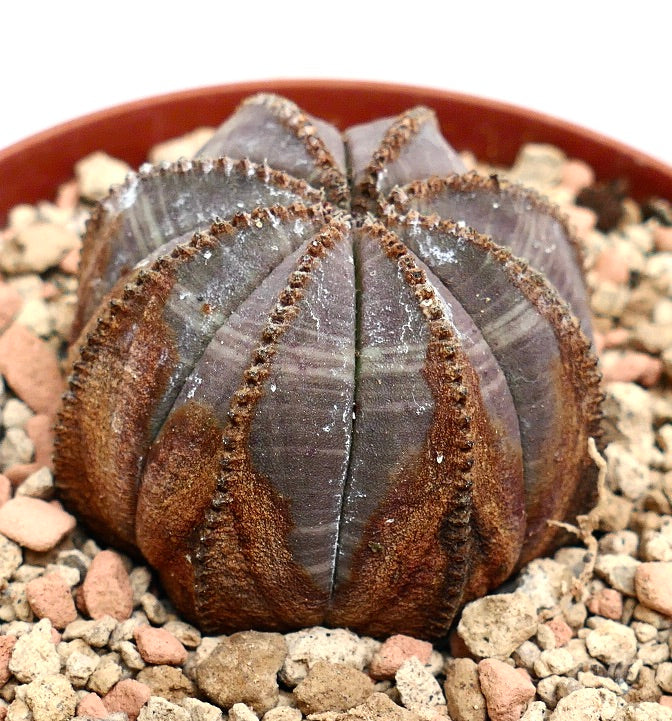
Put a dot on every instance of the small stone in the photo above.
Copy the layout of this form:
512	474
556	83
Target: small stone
332	687
612	266
561	631
91	706
97	172
51	698
186	634
242	712
538	165
7	643
618	571
497	625
577	175
5	489
15	448
159	709
167	681
587	703
338	645
506	690
128	696
608	603
554	661
10	558
35	524
79	667
31	369
243	667
107	673
544	581
158	646
653	586
283	713
378	707
39	484
612	642
464	699
652	653
202	711
185	146
49	596
662	238
417	686
140	578
130	655
394	651
35	654
631	366
107	589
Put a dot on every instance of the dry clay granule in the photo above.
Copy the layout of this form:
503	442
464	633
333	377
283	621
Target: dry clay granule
87	633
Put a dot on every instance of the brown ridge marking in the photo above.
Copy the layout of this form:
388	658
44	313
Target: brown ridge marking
412	576
333	181
398	136
234	568
578	378
103	429
107	216
401	199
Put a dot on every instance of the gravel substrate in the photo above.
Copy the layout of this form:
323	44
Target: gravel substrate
87	633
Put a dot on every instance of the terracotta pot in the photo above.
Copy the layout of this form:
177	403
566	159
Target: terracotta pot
32	169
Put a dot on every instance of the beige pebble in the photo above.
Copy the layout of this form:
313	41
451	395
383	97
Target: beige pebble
243	668
653	586
106	589
464	698
581	220
167	681
49	597
497	625
31	369
37	247
69	263
128	696
158	646
51	698
108	672
97	172
39	484
159	709
506	690
394	651
185	146
35	654
417	687
618	570
35	524
201	711
332	687
612	642
242	712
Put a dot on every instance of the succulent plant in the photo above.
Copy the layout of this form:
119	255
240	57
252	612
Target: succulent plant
319	381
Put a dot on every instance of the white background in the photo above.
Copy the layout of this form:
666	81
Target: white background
592	62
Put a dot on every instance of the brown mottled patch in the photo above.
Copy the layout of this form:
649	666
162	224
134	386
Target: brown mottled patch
102	431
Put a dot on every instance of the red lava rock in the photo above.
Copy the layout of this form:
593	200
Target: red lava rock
18	473
31	369
70	262
128	696
665	701
458	648
56	637
49	596
608	603
92	706
6	648
653	586
68	194
612	266
35	524
49	291
394	652
5	489
158	646
10	304
506	691
561	630
662	238
107	589
40	431
615	338
633	367
577	175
